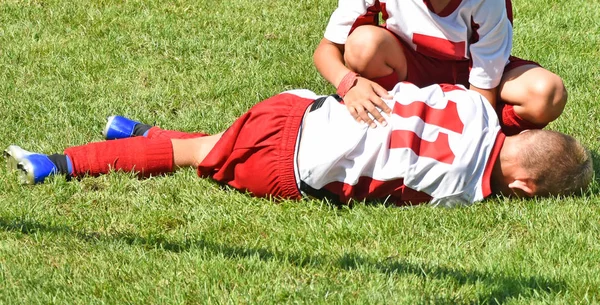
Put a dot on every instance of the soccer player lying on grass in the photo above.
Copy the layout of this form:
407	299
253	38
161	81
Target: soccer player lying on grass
441	144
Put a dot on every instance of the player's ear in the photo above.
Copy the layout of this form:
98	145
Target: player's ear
523	187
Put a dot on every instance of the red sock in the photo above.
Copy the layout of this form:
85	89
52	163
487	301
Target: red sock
157	132
388	82
512	123
140	154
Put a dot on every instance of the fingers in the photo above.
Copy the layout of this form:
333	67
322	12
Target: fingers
361	115
365	104
367	112
382	92
374	107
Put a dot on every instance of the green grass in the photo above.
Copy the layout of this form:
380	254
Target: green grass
196	65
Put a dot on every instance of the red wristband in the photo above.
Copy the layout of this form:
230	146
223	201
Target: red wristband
347	83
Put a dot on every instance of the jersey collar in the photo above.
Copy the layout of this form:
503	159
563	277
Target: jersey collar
487	174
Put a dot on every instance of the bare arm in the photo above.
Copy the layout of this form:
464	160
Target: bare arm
329	60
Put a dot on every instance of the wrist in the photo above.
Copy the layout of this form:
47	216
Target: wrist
349	81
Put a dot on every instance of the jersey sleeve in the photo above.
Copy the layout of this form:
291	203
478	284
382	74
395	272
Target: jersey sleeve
492	50
349	15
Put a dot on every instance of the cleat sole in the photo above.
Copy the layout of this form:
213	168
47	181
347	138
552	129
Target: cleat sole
11	160
24	176
16	162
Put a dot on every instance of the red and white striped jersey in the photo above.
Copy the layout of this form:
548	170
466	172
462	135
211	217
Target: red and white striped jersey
480	30
439	145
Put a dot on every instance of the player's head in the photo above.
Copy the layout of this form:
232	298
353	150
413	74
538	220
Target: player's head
556	164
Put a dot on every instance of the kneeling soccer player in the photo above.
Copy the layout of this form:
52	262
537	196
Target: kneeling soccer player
442	144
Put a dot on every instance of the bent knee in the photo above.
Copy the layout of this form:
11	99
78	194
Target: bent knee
547	99
367	46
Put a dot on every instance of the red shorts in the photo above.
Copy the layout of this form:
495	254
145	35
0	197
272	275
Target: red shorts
256	154
424	70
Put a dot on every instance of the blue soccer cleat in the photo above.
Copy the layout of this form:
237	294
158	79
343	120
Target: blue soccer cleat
32	167
118	127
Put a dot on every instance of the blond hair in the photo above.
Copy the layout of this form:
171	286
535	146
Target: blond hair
558	163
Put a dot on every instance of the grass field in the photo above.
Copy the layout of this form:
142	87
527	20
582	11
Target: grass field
196	65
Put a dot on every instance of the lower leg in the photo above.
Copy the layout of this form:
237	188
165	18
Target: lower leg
157	132
119	127
142	155
137	154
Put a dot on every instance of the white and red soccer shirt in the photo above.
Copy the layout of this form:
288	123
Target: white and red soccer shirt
440	140
479	30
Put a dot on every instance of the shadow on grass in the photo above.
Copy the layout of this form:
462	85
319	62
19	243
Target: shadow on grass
498	288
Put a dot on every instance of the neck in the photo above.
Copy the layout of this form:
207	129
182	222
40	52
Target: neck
497	179
439	5
504	167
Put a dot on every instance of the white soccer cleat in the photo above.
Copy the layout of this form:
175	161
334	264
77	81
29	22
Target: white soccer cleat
32	167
